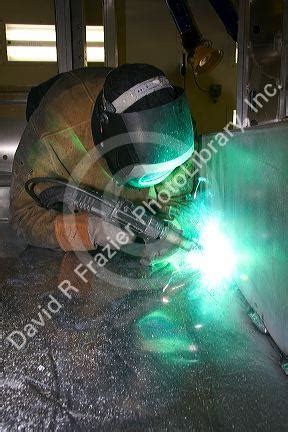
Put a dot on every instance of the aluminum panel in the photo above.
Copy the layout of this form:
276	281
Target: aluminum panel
249	180
12	125
4	202
262	59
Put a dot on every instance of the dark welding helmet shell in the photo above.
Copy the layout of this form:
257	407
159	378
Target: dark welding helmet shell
156	141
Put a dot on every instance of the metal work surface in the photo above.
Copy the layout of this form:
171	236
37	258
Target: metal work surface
249	180
118	359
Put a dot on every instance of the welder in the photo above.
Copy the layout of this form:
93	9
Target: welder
126	131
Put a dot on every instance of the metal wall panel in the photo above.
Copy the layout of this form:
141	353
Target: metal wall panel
12	125
249	180
11	130
263	47
4	202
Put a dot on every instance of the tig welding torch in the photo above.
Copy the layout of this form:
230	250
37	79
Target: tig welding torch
64	196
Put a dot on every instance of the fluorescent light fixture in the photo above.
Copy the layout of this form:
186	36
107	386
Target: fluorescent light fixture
37	43
32	53
95	34
30	33
95	54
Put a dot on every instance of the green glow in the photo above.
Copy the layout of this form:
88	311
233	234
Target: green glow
162	334
149	180
215	264
217	261
199	290
77	143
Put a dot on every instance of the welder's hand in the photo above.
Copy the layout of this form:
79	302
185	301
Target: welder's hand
158	252
175	207
102	233
184	214
82	232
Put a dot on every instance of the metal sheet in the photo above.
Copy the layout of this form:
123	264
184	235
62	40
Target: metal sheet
284	66
242	69
4	202
262	59
249	179
12	125
116	359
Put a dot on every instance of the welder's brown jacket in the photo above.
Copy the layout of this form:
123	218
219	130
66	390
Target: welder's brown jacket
56	143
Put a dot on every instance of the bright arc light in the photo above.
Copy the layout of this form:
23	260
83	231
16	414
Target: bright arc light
217	260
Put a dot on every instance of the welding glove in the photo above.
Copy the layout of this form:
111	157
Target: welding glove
157	254
184	214
102	233
175	206
84	232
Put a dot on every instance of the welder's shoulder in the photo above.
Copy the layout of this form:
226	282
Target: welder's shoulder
92	78
69	101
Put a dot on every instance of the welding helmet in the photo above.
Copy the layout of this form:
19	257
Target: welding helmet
155	121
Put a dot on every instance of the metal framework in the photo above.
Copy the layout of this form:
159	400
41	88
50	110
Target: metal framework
110	33
283	108
70	34
243	60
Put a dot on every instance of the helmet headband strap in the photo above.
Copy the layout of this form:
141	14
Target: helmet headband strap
136	93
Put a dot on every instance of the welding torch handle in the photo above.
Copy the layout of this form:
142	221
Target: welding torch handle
117	211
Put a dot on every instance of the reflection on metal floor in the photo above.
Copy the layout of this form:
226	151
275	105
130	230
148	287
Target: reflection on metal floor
117	359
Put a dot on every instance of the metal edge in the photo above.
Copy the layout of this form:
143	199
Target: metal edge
243	61
63	35
110	33
284	65
78	30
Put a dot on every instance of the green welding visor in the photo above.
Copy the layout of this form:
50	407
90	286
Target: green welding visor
152	143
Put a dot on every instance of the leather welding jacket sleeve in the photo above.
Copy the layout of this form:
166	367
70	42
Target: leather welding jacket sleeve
58	143
57	137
